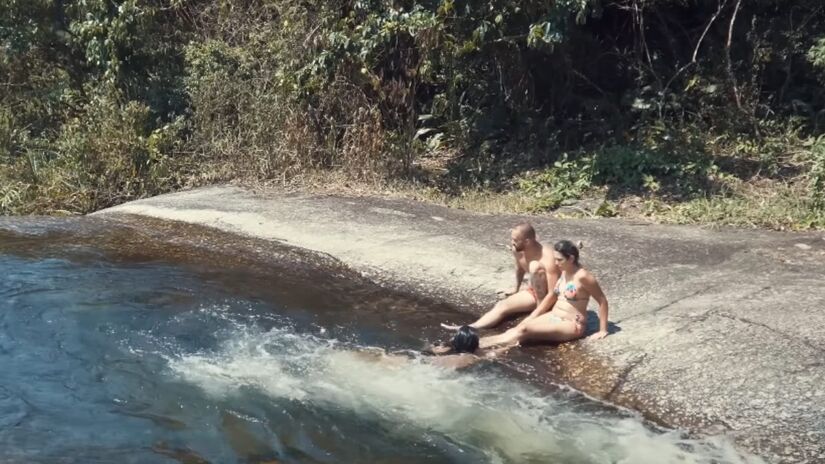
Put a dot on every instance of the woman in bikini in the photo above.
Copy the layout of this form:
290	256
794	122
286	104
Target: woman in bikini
567	320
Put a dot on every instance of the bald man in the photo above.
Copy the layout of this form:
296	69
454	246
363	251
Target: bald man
535	262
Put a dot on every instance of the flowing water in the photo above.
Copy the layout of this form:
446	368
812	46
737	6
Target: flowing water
148	343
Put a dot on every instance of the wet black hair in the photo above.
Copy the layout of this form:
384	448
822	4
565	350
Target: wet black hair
465	340
567	249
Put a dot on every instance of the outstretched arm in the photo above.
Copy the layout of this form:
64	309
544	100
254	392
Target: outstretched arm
456	361
519	276
592	286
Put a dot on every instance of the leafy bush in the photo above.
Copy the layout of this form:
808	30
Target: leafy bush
565	180
816	54
636	167
12	138
675	100
106	155
660	169
817	174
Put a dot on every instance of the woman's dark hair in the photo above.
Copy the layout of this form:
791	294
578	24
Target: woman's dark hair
465	340
567	249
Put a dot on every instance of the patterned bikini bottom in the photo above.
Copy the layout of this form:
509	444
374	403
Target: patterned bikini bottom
578	320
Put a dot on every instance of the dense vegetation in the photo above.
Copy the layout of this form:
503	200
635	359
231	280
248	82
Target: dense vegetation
688	110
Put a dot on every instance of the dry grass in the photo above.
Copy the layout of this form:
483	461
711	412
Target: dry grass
778	206
771	205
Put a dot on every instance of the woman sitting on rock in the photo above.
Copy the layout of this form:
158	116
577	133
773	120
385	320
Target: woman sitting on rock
567	320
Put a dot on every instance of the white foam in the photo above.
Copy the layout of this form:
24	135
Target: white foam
501	417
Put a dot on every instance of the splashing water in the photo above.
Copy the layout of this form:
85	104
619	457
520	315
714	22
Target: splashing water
146	360
505	420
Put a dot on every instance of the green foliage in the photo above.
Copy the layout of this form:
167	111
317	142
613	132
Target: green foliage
816	183
87	112
463	68
816	54
606	209
106	100
23	23
565	180
106	34
782	208
108	155
639	167
12	137
659	168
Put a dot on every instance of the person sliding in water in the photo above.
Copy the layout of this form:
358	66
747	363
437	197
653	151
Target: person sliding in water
460	352
463	350
534	261
567	320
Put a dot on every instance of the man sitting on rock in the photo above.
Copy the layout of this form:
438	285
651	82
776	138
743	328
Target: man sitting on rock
534	261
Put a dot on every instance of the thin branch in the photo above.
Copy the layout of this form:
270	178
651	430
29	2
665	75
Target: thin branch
586	79
707	28
692	61
639	13
809	18
727	52
310	34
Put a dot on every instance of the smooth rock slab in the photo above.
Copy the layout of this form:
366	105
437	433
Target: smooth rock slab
717	331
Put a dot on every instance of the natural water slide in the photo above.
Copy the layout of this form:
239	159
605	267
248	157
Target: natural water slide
132	336
715	330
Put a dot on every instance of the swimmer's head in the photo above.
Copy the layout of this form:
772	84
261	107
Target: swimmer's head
465	340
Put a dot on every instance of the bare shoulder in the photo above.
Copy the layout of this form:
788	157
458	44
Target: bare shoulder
586	276
455	361
588	281
547	257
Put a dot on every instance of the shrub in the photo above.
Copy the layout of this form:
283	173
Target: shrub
816	183
106	155
565	180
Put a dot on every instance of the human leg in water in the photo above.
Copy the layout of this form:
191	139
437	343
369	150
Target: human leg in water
523	301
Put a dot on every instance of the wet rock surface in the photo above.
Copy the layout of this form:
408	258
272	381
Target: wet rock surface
716	331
